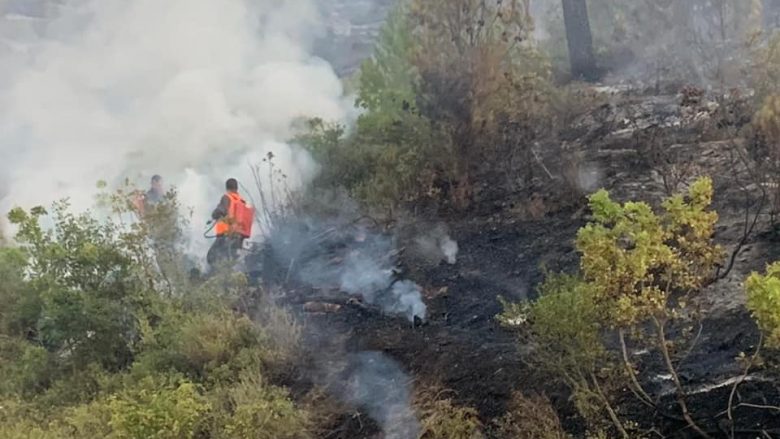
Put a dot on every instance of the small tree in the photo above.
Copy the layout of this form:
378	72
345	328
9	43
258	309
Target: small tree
637	268
482	83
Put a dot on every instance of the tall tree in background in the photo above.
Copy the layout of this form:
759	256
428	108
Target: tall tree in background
771	14
580	40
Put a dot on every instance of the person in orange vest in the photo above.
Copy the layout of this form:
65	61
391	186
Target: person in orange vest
233	224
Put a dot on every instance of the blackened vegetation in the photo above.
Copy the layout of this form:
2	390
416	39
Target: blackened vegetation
641	147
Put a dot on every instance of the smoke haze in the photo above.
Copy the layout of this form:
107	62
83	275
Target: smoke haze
194	90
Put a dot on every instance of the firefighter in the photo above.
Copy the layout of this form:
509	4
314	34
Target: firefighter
233	224
143	202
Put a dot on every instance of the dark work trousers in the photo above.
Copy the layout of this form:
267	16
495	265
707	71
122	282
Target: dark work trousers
225	248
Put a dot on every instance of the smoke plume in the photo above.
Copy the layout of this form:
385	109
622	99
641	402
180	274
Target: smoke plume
377	384
194	90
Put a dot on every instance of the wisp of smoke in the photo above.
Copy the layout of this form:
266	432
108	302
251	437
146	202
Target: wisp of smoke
195	90
357	261
377	384
435	245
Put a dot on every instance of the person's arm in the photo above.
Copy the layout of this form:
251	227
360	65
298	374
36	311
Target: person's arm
222	209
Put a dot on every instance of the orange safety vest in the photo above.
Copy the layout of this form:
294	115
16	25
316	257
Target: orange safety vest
239	218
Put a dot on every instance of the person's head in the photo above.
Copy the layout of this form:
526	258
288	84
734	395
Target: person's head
157	183
231	185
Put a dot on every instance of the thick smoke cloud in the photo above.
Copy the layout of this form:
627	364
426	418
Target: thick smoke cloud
194	90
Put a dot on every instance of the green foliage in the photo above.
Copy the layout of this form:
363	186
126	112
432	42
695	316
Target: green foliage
635	260
636	267
102	335
211	347
763	293
86	292
158	408
21	306
26	368
565	330
388	79
565	322
439	105
260	411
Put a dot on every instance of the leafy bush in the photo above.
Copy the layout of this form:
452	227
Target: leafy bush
90	294
763	301
566	333
163	408
635	260
26	368
98	338
637	267
253	408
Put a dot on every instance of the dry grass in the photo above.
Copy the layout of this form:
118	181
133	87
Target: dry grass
442	418
530	417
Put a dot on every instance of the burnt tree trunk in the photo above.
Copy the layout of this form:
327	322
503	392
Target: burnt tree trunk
580	40
771	15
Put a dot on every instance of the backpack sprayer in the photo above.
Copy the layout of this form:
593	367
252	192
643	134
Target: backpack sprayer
239	220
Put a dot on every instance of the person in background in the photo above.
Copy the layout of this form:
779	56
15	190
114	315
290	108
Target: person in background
228	242
143	201
155	193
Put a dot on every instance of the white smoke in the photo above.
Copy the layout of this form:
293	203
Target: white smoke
371	277
194	90
435	245
378	385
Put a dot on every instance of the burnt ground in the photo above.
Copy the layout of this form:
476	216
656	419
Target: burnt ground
462	347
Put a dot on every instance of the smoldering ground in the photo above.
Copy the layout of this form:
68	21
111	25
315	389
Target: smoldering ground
341	256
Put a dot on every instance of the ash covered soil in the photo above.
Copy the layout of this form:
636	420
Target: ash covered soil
504	250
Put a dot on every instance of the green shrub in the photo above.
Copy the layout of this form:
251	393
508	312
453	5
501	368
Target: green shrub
636	260
91	296
637	268
160	408
20	303
26	368
451	88
763	301
207	347
99	339
566	332
254	409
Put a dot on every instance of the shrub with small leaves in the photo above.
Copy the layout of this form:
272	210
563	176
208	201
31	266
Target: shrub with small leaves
159	408
763	301
252	408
